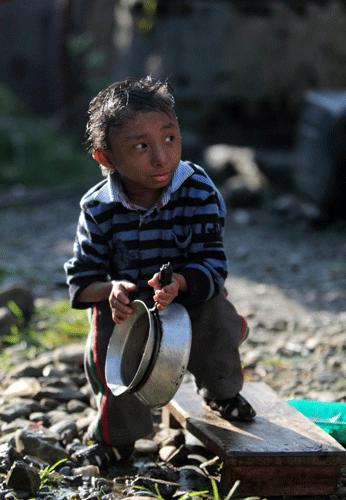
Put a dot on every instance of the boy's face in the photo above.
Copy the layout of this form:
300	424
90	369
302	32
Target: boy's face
146	152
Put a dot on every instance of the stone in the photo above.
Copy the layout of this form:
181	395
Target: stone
18	408
22	476
63	426
8	454
87	470
21	295
45	447
146	447
26	387
56	417
170	437
72	354
174	455
76	406
211	466
166	452
48	404
166	488
59	393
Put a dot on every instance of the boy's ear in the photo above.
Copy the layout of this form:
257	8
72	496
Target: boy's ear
102	158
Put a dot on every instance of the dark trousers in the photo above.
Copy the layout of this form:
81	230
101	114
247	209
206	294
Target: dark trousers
217	332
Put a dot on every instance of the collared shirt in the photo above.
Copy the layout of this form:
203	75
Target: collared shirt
117	240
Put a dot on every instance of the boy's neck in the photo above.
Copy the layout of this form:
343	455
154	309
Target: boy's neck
145	200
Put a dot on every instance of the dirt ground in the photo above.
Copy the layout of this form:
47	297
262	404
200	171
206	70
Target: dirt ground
287	276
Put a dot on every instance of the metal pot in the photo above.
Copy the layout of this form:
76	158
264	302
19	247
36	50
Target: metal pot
149	352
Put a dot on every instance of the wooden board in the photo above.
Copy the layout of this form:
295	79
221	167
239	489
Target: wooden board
281	452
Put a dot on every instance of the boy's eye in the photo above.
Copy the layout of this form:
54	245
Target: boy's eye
141	146
170	138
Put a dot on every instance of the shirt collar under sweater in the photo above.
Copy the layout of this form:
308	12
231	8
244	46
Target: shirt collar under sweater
112	191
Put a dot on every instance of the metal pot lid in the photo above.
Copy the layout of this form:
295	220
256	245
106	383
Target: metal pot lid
130	350
169	365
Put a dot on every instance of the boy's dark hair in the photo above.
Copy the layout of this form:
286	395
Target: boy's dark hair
120	102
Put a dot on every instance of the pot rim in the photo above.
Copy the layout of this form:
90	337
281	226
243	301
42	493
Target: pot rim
116	348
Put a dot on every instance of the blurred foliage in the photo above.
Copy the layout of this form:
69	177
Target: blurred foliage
37	151
10	105
52	325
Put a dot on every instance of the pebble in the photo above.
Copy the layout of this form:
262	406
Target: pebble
287	276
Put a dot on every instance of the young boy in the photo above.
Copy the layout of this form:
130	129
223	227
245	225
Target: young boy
151	209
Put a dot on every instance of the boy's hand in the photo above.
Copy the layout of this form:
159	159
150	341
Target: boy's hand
166	295
119	300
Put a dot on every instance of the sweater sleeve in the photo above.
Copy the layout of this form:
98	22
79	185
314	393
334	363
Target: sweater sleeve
207	266
89	262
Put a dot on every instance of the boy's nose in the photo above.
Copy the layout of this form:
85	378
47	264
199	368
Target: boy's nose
159	156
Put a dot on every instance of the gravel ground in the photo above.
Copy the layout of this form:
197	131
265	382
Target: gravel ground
287	276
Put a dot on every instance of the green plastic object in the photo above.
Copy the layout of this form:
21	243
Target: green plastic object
331	417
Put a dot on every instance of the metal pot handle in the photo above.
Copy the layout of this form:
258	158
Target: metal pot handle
166	273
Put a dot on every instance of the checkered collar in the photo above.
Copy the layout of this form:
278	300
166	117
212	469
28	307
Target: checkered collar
116	193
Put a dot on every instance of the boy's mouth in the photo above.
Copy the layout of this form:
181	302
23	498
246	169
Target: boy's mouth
160	177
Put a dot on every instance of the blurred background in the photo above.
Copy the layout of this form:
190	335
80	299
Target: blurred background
268	75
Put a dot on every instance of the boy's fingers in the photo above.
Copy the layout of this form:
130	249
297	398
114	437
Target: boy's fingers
120	304
120	312
127	285
154	281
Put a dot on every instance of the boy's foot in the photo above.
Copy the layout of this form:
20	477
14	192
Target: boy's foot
102	454
236	408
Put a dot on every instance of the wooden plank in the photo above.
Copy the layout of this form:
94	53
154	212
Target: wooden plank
280	452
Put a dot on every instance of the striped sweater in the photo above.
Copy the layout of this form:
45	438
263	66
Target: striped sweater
117	240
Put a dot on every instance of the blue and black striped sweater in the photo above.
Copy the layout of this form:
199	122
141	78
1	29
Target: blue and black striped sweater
117	240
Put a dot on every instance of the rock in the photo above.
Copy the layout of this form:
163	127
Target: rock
32	368
211	466
84	422
6	494
52	371
194	478
146	446
38	416
72	354
8	454
56	417
22	476
62	427
49	404
7	320
237	194
26	387
219	163
196	459
160	472
87	470
18	408
45	446
17	423
141	496
76	406
166	488
170	437
21	296
65	471
173	455
166	452
59	393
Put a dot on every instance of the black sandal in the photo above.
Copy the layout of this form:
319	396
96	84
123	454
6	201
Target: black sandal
102	454
236	408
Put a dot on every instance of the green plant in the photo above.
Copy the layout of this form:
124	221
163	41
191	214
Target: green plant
160	497
45	473
215	491
39	155
52	325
